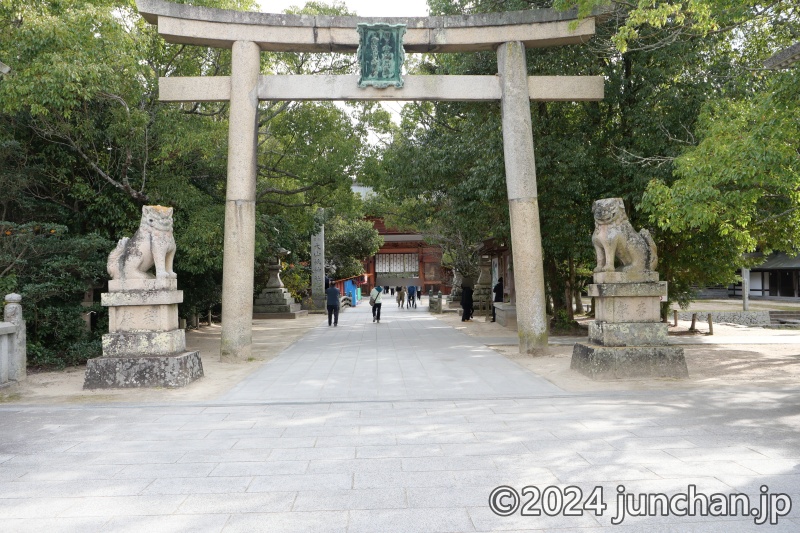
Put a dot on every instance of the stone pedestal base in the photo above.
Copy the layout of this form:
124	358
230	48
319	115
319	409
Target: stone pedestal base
452	304
136	343
628	302
628	339
611	362
628	333
319	303
276	303
290	314
145	346
506	315
169	371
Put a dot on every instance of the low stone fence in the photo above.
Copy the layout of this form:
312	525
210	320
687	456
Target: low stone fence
435	302
13	356
744	318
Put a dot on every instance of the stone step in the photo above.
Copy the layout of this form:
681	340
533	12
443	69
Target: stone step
290	314
278	308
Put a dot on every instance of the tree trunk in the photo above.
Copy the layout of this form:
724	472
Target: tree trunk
576	290
557	287
548	306
579	309
570	290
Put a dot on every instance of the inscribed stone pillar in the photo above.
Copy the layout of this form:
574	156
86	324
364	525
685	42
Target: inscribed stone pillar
318	268
240	205
526	240
12	313
745	289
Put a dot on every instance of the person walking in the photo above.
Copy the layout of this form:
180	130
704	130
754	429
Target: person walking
466	303
412	296
333	301
498	297
375	300
401	297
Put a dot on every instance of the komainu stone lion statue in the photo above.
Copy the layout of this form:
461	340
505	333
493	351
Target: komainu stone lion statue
152	245
614	237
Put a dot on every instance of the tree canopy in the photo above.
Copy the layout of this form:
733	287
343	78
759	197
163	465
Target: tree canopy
85	142
697	138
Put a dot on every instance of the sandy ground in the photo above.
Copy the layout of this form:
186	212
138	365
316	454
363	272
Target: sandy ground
273	336
718	365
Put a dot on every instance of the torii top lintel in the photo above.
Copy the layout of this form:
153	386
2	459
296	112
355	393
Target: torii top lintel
187	24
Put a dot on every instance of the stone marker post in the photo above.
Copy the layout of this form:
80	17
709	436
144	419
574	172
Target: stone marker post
745	289
455	290
523	202
240	205
318	268
18	361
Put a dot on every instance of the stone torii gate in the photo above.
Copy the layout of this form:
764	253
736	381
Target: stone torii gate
247	34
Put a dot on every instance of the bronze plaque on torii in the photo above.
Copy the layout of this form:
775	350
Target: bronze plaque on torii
381	55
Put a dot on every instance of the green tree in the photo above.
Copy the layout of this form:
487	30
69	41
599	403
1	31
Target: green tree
348	242
663	62
52	269
739	184
84	141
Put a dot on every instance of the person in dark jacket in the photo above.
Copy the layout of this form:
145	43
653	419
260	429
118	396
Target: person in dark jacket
498	296
375	301
333	295
466	303
412	296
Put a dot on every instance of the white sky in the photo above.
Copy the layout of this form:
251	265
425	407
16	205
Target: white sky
363	8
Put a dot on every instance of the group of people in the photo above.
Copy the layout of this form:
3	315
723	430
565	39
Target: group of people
409	297
406	296
468	305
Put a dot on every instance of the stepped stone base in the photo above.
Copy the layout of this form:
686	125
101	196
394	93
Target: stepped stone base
290	308
609	362
169	371
276	300
289	314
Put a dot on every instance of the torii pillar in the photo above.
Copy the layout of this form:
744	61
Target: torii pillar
240	204
523	201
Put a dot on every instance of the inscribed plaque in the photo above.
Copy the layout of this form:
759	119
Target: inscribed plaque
380	55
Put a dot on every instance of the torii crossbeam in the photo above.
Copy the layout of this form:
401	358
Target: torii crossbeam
247	34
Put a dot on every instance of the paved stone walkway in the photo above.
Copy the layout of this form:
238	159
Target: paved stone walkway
408	355
418	452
